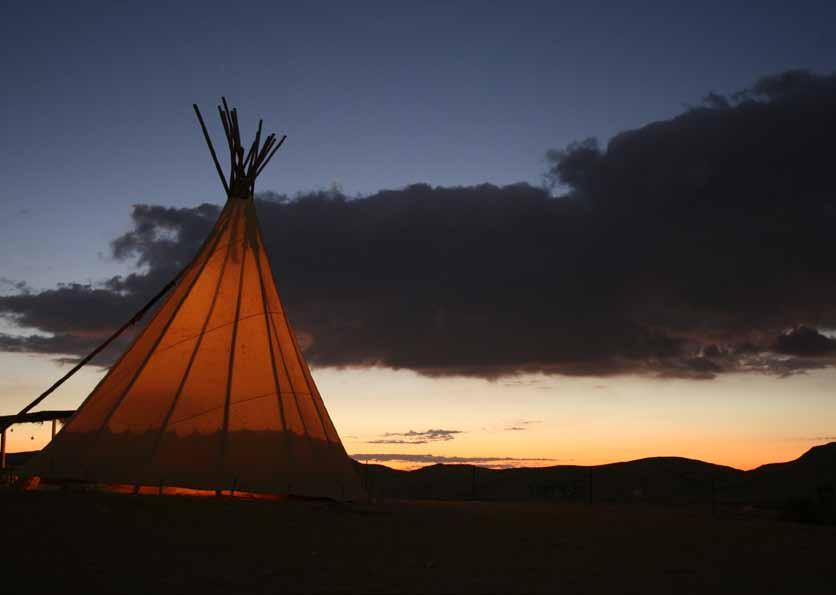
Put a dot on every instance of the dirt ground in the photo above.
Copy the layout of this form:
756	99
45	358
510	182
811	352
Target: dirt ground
174	544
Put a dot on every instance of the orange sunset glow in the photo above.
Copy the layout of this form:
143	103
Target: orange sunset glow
538	420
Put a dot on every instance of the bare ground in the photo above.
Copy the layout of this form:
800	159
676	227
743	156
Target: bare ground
173	544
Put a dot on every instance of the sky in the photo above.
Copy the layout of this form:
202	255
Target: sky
379	96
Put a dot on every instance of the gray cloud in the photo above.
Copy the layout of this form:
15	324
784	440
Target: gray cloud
691	247
413	437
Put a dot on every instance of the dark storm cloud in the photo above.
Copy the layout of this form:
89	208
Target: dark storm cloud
413	437
686	248
719	221
81	310
162	241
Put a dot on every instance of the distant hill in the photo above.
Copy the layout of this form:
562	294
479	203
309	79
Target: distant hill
800	486
661	479
811	477
804	484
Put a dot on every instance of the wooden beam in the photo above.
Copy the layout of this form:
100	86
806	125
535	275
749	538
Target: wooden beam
37	417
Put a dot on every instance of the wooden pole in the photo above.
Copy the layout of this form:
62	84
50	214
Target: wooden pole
3	450
270	156
211	148
54	425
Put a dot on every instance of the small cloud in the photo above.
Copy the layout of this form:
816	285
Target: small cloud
520	425
413	437
537	382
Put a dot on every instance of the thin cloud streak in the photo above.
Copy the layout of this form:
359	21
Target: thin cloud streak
429	459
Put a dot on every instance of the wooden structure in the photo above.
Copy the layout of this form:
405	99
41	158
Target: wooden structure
6	421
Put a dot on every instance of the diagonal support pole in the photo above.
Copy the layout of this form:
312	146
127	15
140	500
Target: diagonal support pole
95	352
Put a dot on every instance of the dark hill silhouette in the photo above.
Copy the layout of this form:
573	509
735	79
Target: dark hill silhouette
811	477
799	486
658	479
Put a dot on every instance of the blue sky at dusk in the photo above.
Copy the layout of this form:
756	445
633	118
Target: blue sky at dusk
371	94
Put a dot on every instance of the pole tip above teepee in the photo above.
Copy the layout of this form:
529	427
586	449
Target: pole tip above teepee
244	168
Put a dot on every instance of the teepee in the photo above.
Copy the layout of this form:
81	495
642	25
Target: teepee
214	393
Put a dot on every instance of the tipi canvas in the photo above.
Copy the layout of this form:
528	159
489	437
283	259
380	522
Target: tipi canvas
214	393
